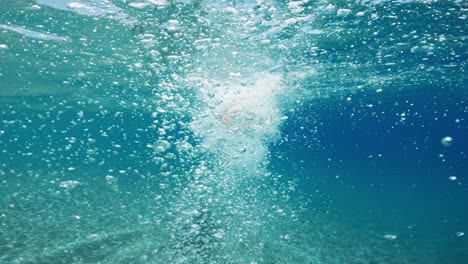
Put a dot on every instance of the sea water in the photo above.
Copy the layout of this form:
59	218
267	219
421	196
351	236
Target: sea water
183	131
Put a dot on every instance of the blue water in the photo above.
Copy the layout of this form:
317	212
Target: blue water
233	132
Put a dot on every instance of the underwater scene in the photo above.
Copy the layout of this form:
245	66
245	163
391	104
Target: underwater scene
248	131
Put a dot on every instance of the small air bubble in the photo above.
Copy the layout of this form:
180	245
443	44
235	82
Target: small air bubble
447	141
161	146
343	12
69	184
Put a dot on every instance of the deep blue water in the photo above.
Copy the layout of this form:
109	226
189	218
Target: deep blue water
380	169
233	132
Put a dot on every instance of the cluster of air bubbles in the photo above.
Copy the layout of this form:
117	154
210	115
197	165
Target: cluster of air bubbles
111	181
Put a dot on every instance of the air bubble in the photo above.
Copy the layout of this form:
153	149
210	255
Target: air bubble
162	146
447	141
69	184
390	237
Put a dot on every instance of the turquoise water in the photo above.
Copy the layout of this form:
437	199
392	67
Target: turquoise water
211	131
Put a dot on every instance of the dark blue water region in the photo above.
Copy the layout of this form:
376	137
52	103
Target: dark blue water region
377	160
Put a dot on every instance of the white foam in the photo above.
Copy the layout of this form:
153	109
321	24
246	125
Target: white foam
241	119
